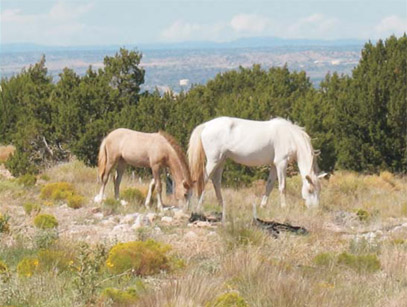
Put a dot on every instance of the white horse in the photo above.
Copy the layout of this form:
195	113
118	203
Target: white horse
253	143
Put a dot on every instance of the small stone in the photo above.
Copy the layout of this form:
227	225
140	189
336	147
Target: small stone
124	203
128	218
120	228
98	215
157	230
190	235
95	210
166	219
203	224
179	214
151	216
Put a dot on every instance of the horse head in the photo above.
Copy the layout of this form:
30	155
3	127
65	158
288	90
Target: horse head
183	192
311	188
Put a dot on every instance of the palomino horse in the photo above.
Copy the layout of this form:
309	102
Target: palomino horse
253	143
154	150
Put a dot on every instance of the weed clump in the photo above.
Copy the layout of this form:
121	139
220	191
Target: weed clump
361	263
57	191
139	257
4	225
133	195
324	259
3	267
111	206
121	297
31	208
363	215
367	263
45	221
55	260
229	299
27	267
75	201
27	180
241	234
45	238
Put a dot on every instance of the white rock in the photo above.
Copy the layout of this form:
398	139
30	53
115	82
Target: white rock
123	202
190	235
157	230
151	216
167	219
120	228
179	214
203	224
107	222
129	218
98	215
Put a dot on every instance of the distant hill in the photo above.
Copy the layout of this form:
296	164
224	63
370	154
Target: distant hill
252	42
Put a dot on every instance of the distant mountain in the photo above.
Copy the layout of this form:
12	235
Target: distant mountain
252	42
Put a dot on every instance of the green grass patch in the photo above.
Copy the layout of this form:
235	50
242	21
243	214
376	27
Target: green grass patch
45	221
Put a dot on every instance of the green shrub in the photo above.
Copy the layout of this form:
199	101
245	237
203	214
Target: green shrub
45	238
121	297
241	234
140	257
20	164
31	208
27	267
75	201
27	180
4	225
45	177
111	205
360	263
229	299
55	260
3	267
324	259
45	221
57	191
363	215
133	195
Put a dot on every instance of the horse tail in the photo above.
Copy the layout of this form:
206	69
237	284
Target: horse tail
196	159
102	159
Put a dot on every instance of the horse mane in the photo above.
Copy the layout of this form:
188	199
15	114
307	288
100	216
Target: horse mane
179	152
301	132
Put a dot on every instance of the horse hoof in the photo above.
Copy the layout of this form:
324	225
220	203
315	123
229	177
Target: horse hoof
98	199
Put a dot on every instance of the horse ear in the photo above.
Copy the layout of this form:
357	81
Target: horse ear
323	175
309	180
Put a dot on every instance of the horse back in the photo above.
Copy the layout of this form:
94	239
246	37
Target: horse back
135	148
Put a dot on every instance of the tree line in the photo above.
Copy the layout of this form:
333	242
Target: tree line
359	122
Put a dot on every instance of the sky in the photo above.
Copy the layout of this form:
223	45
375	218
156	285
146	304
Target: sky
126	22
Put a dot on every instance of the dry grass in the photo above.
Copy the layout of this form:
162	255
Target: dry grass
6	152
237	258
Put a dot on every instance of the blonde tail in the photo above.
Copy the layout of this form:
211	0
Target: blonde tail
102	158
196	159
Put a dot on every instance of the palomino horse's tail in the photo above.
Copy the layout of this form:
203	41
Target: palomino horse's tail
196	159
102	159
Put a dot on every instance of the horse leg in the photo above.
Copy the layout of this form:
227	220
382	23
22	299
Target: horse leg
104	179
150	193
156	175
270	183
281	173
209	171
119	174
216	180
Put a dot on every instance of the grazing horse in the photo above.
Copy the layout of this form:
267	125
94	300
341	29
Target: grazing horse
253	143
154	150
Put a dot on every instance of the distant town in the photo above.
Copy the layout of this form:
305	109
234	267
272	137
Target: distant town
177	68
